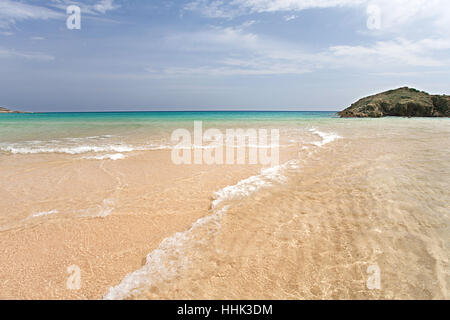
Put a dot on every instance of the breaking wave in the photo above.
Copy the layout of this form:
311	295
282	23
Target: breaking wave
170	259
68	150
44	213
327	137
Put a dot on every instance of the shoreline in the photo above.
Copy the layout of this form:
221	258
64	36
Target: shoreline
88	234
349	201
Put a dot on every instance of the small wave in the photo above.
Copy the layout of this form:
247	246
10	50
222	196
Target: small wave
246	187
106	208
102	137
159	147
171	257
76	146
115	156
326	137
154	147
44	213
68	150
165	262
102	210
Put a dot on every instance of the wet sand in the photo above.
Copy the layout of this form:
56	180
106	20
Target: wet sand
376	194
149	204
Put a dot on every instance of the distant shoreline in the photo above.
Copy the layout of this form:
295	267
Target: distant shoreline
6	110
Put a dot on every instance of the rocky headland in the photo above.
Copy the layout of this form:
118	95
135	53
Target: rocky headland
402	102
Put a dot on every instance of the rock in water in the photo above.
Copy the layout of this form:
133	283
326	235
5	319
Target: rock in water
402	102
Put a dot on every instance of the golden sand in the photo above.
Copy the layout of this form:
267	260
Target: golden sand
374	197
150	197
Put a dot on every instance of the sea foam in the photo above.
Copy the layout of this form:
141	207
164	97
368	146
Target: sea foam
115	156
247	187
44	213
327	137
164	263
68	149
170	259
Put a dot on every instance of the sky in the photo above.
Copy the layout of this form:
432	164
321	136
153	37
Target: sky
218	55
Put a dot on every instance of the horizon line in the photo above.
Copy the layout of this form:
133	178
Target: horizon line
194	110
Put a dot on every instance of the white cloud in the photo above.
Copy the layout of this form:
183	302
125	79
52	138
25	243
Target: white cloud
290	17
88	7
224	71
409	34
292	5
12	11
214	9
236	51
396	15
105	5
414	16
394	53
37	56
233	8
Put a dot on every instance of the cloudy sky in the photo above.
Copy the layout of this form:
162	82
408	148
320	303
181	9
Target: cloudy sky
211	54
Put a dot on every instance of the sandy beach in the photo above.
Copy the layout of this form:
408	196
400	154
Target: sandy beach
150	199
347	195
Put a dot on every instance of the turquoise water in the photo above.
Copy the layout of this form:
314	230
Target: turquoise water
67	118
44	126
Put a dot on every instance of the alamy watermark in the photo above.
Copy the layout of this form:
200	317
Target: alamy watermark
235	146
373	17
374	280
73	21
74	280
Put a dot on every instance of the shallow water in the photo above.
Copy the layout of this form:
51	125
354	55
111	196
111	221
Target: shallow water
348	194
378	196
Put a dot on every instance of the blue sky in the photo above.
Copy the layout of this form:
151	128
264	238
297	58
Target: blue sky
227	55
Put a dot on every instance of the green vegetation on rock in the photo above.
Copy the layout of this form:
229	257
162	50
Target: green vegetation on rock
402	102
